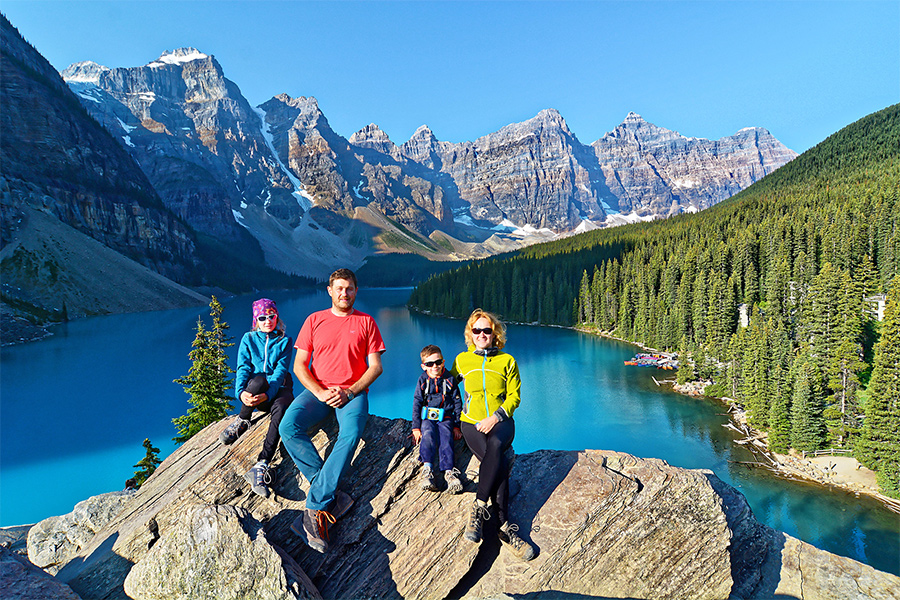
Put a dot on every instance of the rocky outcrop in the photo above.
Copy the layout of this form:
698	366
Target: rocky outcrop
210	545
23	581
604	523
56	540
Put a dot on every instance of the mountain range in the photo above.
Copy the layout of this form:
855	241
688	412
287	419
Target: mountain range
168	165
280	171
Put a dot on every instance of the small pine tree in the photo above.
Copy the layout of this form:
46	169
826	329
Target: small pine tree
808	424
209	379
147	465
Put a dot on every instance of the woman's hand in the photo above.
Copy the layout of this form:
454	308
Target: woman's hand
485	425
251	400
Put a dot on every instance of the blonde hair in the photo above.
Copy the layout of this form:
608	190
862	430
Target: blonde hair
496	325
279	326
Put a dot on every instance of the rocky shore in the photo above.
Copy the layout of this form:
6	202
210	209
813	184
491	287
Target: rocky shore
606	524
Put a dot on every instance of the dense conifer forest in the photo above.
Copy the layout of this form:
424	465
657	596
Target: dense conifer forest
802	255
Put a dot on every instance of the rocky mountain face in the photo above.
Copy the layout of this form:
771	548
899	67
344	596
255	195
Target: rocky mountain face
652	171
606	524
61	171
194	134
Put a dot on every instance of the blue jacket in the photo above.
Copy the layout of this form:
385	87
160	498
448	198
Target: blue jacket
436	393
264	353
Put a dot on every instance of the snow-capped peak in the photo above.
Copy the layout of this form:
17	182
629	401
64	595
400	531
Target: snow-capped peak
178	57
86	71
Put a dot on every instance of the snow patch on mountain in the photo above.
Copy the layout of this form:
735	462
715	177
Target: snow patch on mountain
177	57
304	199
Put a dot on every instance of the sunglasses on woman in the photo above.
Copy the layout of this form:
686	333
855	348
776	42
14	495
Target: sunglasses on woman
434	363
484	330
262	318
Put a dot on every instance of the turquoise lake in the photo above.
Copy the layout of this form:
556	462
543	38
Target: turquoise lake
76	407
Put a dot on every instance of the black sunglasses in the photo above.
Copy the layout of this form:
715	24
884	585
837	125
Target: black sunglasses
262	318
484	330
433	363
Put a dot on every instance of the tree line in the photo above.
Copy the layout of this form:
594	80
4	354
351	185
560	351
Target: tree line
798	253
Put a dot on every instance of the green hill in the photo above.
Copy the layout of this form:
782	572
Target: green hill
800	249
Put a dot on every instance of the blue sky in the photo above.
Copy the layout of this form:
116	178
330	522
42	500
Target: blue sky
801	69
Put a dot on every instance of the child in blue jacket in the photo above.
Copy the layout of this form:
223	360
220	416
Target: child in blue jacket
436	409
262	382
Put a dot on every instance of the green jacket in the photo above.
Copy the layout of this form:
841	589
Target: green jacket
492	384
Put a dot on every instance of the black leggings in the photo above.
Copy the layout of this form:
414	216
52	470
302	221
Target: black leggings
493	474
276	408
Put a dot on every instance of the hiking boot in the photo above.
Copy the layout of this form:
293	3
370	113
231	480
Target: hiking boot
231	433
426	479
341	504
259	478
519	547
477	517
454	485
312	526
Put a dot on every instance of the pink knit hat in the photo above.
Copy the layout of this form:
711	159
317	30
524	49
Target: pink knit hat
263	306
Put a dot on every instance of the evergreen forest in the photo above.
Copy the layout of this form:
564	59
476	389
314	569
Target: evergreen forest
772	294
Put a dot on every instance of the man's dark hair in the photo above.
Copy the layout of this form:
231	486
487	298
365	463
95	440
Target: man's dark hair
345	274
429	350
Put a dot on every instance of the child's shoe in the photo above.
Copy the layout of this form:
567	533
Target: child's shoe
519	547
231	433
454	485
426	479
259	478
477	517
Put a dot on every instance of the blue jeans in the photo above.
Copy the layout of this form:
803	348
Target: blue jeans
305	411
437	438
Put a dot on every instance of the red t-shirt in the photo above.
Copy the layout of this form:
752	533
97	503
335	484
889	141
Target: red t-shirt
339	346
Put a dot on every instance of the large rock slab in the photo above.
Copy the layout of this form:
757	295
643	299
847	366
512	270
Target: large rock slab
609	523
216	552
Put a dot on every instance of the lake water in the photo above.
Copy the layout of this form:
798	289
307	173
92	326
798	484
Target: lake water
76	407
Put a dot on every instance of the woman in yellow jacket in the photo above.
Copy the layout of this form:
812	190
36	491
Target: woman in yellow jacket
492	384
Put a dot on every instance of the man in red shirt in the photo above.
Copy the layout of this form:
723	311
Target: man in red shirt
338	356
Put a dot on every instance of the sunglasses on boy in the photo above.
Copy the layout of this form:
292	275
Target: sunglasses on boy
262	318
485	330
434	363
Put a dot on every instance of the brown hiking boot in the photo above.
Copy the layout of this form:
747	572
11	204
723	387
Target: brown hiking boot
519	547
313	526
341	504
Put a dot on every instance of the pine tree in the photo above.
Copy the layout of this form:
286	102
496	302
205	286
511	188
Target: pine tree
808	425
209	379
879	444
147	465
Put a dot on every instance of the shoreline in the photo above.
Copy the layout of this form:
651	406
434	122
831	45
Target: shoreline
843	472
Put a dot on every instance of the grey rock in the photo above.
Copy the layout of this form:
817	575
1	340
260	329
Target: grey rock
21	580
215	552
55	540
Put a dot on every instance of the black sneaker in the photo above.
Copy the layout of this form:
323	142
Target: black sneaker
259	478
477	517
313	526
426	479
519	547
231	433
